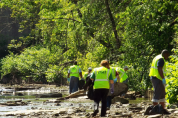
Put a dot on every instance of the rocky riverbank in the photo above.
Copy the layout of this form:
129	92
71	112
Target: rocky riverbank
80	107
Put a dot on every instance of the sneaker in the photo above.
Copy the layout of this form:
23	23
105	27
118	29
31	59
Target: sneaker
165	111
95	112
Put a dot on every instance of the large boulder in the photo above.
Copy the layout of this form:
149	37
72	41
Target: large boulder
120	88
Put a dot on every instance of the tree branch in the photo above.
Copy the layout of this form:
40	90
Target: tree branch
61	18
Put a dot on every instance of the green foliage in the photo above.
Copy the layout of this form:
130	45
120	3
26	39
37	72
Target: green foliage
34	62
62	31
172	75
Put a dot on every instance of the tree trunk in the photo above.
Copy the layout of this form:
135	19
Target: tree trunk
118	42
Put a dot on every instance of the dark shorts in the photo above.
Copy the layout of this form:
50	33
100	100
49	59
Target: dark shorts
159	90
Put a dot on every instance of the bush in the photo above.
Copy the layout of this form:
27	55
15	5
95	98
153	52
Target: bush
172	79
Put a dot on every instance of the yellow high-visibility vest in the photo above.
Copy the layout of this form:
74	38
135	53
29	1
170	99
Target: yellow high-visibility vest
113	69
74	71
122	74
154	69
101	78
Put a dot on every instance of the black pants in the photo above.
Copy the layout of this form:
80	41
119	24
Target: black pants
100	95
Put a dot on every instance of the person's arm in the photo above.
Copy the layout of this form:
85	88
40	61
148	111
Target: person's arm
68	75
160	70
111	79
112	88
92	77
160	65
80	73
118	78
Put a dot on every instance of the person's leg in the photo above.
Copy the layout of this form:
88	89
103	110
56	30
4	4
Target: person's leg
156	91
97	99
162	98
104	94
108	101
71	84
162	104
75	84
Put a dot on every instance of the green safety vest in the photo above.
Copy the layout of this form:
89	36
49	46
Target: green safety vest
154	69
122	74
74	71
102	78
113	72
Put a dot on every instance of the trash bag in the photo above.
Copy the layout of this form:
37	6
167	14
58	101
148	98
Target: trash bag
89	86
152	110
90	93
158	109
81	84
147	112
88	77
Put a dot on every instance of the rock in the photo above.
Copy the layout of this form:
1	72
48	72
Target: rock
20	94
70	111
155	116
61	98
118	99
58	104
139	95
10	115
173	106
135	108
57	101
56	114
79	114
80	109
176	112
23	114
171	110
124	115
49	95
120	88
62	111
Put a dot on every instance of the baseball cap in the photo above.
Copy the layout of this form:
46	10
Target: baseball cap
125	67
89	68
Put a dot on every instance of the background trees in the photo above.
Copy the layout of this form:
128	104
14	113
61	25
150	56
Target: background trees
60	31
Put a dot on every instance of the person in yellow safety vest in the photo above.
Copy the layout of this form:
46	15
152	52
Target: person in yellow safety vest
123	78
73	73
87	73
157	77
102	77
111	90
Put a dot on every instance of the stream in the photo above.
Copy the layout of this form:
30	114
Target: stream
50	105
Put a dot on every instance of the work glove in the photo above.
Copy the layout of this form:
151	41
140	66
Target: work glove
164	81
68	79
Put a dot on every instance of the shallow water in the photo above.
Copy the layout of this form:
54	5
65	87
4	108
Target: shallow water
140	100
39	104
28	95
